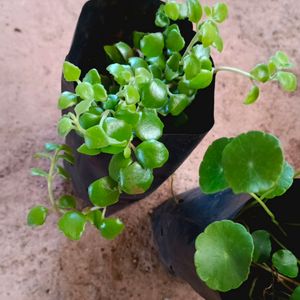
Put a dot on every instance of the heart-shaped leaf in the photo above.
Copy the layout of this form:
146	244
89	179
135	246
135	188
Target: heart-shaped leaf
85	91
92	77
261	73
71	72
174	41
220	12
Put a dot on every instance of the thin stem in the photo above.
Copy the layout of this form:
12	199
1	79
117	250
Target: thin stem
103	213
104	116
191	44
233	70
50	180
77	124
267	210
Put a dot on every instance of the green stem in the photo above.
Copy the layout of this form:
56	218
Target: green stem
233	70
77	124
267	210
103	117
50	180
103	213
191	44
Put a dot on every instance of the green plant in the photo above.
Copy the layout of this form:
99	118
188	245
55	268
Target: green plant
159	75
252	163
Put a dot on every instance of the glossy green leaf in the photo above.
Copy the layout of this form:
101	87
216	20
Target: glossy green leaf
172	10
111	102
183	11
201	52
178	103
152	44
262	246
104	192
261	72
210	35
137	36
67	99
286	263
281	60
67	157
63	173
137	62
92	77
223	255
125	50
67	202
252	95
100	93
142	76
174	41
206	63
72	224
38	172
85	91
121	73
184	88
114	54
127	113
253	162
95	218
96	138
71	72
285	181
161	20
49	147
118	162
37	216
95	110
132	95
296	294
211	171
156	72
170	74
149	126
154	94
194	10
64	126
202	80
207	11
117	129
83	149
88	120
110	228
220	12
134	179
158	61
288	81
82	107
152	154
191	66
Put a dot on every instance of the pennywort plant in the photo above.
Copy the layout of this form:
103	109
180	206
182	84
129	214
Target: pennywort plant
121	112
252	163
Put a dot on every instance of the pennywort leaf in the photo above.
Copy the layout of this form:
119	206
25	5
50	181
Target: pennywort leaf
83	149
262	246
72	225
194	10
287	80
92	77
252	95
71	72
64	126
286	263
67	202
152	44
172	10
110	228
154	94
118	162
67	99
37	216
220	12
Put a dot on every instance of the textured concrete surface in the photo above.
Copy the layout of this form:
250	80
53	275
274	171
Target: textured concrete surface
42	264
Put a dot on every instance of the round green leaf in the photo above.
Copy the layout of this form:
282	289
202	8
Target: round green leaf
284	183
64	126
252	95
95	218
287	80
104	192
142	76
72	224
194	10
161	20
134	179
71	72
281	60
92	77
253	162
220	12
111	102
156	72
209	34
85	91
127	113
118	162
67	202
191	66
223	255
262	246
296	294
158	61
111	227
261	73
152	44
88	120
83	149
82	107
178	103
132	95
211	170
113	53
37	216
49	147
286	263
202	80
154	94
152	154
67	99
121	73
117	129
96	138
172	10
175	42
125	50
99	92
137	62
149	126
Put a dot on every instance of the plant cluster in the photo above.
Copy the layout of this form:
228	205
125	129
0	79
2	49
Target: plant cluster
121	112
252	163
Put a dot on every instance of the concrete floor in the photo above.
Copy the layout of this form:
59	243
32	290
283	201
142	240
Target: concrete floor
42	264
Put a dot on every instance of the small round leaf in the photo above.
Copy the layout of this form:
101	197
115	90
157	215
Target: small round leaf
71	72
261	73
92	77
223	255
96	138
202	80
67	202
37	216
262	246
72	224
286	263
220	12
110	228
152	44
194	10
67	99
175	42
178	103
287	80
99	92
85	91
118	162
64	126
252	95
154	94
172	10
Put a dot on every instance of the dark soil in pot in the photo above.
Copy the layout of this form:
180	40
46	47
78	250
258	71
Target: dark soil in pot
177	224
106	22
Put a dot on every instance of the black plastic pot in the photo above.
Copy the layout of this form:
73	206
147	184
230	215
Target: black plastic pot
105	22
177	224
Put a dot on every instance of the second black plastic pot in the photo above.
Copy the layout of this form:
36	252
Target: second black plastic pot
177	224
106	22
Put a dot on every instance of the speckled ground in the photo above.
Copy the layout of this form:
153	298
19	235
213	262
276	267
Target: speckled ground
42	264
